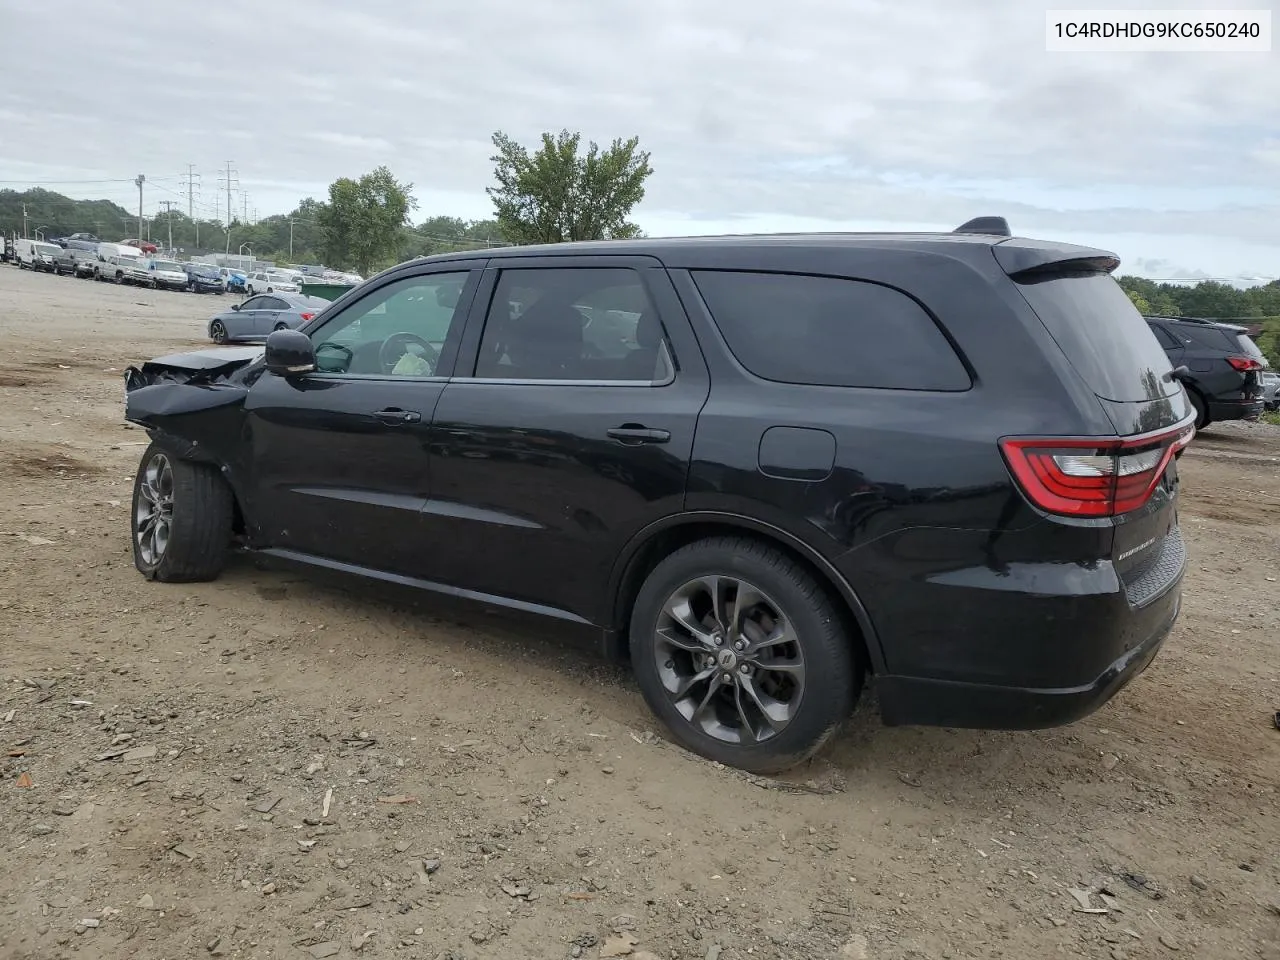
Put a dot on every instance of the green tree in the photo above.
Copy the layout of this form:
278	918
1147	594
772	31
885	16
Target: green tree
362	223
556	195
1140	302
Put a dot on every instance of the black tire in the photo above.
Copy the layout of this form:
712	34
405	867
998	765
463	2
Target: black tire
1202	411
249	290
281	326
199	520
832	660
218	332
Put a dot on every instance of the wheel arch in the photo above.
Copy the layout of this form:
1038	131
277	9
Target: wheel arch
190	450
656	541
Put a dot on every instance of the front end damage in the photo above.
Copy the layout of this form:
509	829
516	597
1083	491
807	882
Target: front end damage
192	404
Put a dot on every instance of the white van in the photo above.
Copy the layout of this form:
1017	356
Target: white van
36	254
108	250
116	262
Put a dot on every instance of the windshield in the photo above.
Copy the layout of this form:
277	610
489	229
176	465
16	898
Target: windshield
167	265
205	270
47	248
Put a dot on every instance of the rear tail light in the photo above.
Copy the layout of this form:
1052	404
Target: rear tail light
307	316
1093	477
1244	364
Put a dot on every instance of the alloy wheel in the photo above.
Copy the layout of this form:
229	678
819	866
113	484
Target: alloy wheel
729	660
218	332
153	510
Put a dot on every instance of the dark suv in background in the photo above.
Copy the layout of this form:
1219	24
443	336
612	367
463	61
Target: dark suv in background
1224	366
759	466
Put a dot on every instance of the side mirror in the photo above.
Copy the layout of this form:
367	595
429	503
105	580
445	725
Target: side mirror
290	353
235	306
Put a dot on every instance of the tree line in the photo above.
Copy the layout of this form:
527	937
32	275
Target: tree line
557	193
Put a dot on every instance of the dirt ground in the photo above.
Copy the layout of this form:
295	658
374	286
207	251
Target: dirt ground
214	769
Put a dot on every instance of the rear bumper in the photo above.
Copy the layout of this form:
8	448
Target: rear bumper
1038	653
1236	409
950	703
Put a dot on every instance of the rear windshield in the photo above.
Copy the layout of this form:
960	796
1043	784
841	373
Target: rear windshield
1102	334
1248	346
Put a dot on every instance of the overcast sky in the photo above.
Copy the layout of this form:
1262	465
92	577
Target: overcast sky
805	114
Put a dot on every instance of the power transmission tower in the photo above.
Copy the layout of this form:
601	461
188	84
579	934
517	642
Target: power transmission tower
168	209
139	181
245	197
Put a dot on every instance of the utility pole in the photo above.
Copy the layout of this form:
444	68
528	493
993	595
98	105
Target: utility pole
24	221
245	197
229	182
168	207
192	177
141	179
291	239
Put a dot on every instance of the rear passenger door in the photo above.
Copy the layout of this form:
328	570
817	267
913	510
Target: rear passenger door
1173	347
566	429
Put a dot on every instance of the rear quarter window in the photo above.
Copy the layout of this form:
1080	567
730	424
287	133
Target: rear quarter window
827	331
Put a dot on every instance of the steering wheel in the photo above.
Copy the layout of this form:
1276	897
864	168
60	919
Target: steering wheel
389	359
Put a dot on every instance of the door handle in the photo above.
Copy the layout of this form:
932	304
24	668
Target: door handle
395	416
634	433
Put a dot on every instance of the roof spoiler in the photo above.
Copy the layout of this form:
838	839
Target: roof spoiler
987	226
1022	258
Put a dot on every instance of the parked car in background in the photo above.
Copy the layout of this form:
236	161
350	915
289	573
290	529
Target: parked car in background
75	261
1271	390
166	274
785	463
204	277
1223	366
146	246
265	282
125	269
37	255
257	317
235	280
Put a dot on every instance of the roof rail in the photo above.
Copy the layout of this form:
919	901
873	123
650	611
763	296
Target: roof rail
993	226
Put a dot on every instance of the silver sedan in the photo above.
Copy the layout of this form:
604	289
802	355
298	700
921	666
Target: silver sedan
257	317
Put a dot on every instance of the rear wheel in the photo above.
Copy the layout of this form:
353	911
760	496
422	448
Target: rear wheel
743	655
181	523
282	326
1202	411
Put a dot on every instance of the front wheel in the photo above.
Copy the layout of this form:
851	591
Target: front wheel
743	655
249	290
218	331
181	520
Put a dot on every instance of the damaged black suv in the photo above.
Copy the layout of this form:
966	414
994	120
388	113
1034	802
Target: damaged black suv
761	467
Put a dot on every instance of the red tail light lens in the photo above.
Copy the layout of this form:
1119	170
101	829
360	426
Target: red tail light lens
307	316
1093	477
1244	364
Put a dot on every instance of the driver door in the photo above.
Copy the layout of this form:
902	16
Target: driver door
338	458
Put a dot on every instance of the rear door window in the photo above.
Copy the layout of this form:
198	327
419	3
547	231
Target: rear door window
828	331
1102	334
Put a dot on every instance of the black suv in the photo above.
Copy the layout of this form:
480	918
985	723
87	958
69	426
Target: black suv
762	467
1223	374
